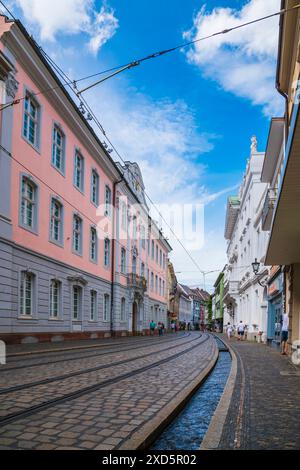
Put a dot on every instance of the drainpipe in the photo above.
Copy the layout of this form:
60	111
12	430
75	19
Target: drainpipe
113	258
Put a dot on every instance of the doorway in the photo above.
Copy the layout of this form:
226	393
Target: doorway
134	318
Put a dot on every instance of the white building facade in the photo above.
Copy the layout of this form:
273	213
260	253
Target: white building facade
244	297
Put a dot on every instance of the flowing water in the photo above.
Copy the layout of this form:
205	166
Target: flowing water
189	427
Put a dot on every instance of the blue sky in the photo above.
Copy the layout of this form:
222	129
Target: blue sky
187	117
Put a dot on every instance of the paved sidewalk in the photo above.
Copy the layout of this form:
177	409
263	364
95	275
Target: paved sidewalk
265	406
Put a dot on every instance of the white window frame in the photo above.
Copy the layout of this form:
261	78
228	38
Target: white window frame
24	276
95	187
123	310
123	260
26	201
79	171
106	307
78	232
79	302
108	201
93	305
56	147
93	243
30	101
52	314
107	248
54	218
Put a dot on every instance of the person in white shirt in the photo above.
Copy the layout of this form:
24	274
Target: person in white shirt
241	330
284	333
229	330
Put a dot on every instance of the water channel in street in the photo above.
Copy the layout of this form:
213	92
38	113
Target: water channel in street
187	430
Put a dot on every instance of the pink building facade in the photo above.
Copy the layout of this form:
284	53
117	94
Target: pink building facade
75	255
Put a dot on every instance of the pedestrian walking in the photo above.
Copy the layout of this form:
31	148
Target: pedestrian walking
241	330
284	334
162	328
159	327
229	330
173	327
152	327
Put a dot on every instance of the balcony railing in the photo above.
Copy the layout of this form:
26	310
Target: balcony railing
268	209
135	281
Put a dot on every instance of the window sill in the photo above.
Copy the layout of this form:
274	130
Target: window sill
28	229
26	317
61	172
60	244
55	319
34	147
79	189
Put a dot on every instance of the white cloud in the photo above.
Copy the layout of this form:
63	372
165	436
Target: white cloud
243	61
70	17
106	25
163	138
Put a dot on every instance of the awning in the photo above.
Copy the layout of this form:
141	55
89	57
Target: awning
284	242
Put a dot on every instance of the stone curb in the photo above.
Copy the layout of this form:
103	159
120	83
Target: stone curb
143	438
68	348
213	435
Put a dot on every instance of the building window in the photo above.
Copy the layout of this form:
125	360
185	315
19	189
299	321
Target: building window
156	256
93	245
55	298
124	215
143	236
164	289
160	257
160	286
77	234
93	305
123	309
27	293
28	204
58	149
156	284
123	261
31	120
152	281
143	270
106	315
56	221
151	312
152	249
95	187
106	252
77	303
134	228
134	264
107	201
79	171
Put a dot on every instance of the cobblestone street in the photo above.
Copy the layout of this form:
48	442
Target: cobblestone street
265	405
65	400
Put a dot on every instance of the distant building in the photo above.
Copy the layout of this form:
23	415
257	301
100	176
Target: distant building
244	297
172	295
218	302
185	312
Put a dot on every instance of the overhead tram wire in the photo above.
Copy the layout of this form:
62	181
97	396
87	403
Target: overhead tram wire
154	55
65	77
